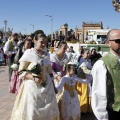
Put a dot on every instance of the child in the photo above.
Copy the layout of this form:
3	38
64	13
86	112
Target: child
70	108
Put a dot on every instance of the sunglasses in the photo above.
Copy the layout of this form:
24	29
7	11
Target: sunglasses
116	41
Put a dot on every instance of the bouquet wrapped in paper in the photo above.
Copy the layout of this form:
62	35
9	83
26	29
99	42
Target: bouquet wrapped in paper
34	68
29	67
14	67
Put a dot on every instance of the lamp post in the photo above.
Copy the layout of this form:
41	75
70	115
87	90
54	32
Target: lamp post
5	23
33	27
24	30
51	16
116	5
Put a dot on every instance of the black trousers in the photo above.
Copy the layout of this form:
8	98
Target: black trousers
113	115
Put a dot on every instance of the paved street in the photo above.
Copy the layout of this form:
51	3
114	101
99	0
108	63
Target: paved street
7	99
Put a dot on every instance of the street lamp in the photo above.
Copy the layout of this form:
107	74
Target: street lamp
116	5
5	23
51	16
25	30
33	27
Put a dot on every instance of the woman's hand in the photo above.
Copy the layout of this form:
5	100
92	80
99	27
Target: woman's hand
63	68
37	79
58	78
29	76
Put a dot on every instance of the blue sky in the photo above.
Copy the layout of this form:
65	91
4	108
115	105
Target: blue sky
21	13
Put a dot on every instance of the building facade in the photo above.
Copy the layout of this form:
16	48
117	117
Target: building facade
79	35
82	34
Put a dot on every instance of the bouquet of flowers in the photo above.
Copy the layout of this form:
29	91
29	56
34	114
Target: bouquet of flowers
14	67
34	68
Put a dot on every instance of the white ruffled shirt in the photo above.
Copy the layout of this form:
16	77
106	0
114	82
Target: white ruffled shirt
6	48
99	96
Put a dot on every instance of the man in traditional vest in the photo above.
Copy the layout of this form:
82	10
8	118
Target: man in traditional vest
10	50
106	81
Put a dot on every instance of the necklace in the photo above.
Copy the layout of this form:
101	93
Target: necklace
59	56
38	51
41	54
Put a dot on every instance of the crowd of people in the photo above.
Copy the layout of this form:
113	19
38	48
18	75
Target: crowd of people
62	83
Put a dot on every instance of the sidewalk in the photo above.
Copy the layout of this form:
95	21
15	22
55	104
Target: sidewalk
6	99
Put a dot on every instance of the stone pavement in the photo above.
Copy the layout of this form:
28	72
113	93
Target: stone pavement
7	99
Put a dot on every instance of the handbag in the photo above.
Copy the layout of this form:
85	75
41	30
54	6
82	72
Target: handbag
15	83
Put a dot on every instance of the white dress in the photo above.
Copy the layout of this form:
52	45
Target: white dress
70	104
34	101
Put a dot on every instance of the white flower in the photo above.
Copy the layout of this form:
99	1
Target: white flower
32	65
14	66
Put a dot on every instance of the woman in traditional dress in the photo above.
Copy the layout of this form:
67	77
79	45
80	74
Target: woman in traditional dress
58	61
70	104
36	99
15	83
84	90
